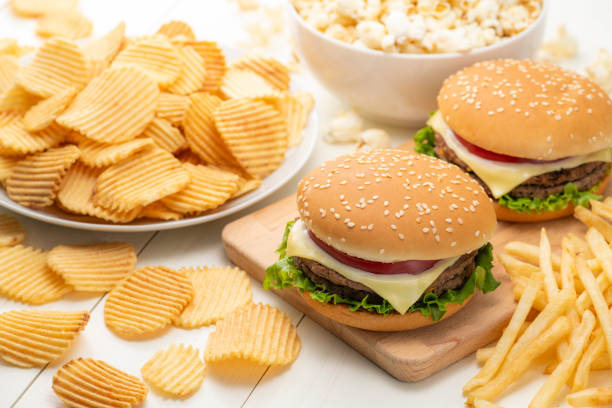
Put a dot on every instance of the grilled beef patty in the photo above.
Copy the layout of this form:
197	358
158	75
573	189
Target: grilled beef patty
453	277
585	176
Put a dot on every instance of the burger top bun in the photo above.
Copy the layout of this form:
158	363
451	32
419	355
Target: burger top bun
527	109
394	205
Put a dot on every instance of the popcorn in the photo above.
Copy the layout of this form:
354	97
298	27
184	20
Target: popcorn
373	139
600	70
561	46
419	26
345	127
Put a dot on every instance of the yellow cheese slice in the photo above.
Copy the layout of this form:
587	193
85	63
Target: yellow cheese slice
503	177
400	290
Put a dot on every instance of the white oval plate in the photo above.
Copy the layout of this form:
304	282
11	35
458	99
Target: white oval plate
295	159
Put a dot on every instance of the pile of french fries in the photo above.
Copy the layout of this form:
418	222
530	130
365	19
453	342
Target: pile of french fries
564	316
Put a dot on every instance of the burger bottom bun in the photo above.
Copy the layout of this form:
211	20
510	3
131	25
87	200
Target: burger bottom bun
506	214
377	322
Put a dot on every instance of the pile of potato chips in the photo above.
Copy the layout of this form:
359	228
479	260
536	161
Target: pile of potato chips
55	18
140	304
564	315
156	126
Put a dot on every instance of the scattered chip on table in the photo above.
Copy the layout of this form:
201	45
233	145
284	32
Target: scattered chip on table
11	231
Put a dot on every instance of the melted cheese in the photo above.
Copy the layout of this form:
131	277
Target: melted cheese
503	177
400	290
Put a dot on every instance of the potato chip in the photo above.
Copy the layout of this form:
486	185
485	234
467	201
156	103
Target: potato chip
7	164
11	232
9	67
8	46
139	180
17	99
36	8
34	338
165	135
156	56
95	154
245	186
217	293
242	83
294	110
177	28
76	192
147	301
8	117
85	382
35	180
46	111
258	333
171	107
93	268
176	372
275	73
201	133
116	106
255	134
158	210
193	72
214	62
16	141
58	64
187	156
101	51
209	188
66	23
25	276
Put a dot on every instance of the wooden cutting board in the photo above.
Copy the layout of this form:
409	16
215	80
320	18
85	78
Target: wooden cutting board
410	355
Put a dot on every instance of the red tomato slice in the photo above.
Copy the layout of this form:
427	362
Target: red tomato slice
489	155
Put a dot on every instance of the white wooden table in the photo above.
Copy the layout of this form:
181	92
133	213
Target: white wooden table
327	372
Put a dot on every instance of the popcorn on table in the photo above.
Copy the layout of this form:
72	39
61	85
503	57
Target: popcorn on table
419	26
344	128
561	46
600	70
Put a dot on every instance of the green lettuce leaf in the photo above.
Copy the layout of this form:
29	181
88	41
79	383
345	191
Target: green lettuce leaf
284	274
424	141
553	202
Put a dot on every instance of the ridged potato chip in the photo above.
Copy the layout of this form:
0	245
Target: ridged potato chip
214	62
9	68
209	188
202	135
187	156
35	180
25	276
245	186
66	23
157	210
101	51
46	111
156	56
294	109
8	117
258	333
217	293
139	180
254	132
275	73
193	72
176	372
36	8
165	135
243	83
114	107
93	268
7	164
34	338
58	64
172	107
95	154
85	382
147	301
76	192
15	140
177	28
17	99
11	232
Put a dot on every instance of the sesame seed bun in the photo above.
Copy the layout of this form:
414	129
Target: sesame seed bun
505	214
392	205
375	322
527	109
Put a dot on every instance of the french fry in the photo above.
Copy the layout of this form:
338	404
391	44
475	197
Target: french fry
580	246
550	284
592	220
567	266
601	209
601	250
584	301
480	403
520	284
507	339
593	350
559	377
483	354
530	253
516	267
591	397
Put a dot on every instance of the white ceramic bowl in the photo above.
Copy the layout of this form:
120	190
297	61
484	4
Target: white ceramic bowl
397	89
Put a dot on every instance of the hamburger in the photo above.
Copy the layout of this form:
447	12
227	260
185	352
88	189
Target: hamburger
537	137
387	240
